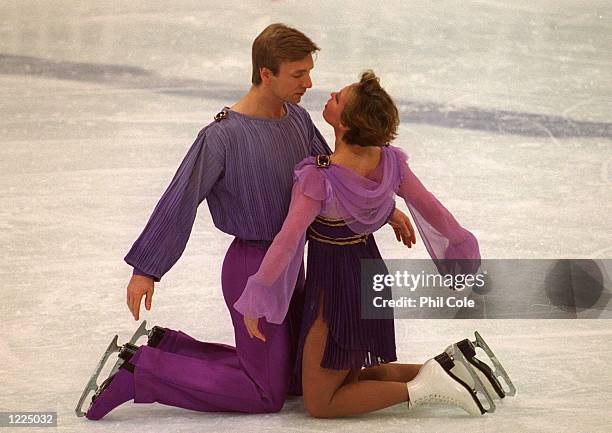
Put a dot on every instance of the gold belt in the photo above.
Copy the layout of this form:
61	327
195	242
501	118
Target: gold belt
350	240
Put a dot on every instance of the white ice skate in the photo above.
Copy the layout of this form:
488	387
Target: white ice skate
435	384
92	384
465	350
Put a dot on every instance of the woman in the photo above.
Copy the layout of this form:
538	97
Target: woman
337	202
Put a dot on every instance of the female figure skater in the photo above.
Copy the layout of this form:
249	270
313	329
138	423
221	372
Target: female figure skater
338	201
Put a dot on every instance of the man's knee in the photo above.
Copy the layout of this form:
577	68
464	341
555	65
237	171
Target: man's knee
273	406
269	405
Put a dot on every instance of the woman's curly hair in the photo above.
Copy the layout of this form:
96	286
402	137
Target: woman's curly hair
370	114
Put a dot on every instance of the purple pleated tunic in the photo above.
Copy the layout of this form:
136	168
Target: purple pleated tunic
243	166
336	210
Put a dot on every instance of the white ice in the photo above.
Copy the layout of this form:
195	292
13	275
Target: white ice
506	114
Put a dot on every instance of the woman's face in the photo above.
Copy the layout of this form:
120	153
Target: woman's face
335	105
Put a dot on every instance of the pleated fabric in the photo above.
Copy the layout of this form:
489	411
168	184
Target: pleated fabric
334	270
243	167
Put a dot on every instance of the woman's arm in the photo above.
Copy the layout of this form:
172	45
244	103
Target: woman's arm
453	248
268	292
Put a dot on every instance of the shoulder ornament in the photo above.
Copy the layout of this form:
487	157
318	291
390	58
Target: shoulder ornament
323	161
221	114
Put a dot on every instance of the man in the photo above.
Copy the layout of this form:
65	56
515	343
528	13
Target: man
242	163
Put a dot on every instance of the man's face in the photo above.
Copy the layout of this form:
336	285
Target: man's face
292	80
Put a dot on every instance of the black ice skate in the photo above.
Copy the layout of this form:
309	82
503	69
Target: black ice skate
155	336
125	352
477	368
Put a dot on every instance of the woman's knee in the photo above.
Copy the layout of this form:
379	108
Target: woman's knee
316	406
317	409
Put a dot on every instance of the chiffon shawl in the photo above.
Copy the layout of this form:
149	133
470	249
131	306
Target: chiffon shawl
365	203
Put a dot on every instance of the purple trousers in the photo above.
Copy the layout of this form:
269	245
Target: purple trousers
253	377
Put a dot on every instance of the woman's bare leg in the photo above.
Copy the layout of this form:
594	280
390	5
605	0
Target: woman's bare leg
390	372
335	393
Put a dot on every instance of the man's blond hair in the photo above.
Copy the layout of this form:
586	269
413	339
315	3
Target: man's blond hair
276	44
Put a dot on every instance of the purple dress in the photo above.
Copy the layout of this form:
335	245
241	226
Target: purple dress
336	210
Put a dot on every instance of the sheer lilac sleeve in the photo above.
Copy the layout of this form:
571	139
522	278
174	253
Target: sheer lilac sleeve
453	248
268	292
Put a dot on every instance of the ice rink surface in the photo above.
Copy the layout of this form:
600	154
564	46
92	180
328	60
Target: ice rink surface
506	115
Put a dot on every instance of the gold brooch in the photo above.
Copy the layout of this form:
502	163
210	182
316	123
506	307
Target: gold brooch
221	115
323	161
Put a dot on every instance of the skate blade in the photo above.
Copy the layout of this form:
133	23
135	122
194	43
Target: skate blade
92	384
447	362
141	331
492	384
481	393
499	371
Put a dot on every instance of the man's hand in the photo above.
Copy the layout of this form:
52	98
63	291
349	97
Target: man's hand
139	285
252	326
404	232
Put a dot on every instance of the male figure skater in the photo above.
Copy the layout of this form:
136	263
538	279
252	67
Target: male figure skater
242	163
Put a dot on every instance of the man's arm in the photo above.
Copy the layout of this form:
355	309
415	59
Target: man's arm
165	236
